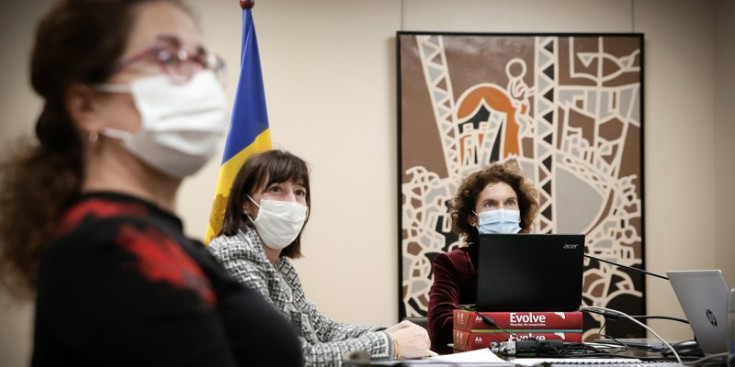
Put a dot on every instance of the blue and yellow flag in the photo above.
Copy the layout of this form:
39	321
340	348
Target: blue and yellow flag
249	131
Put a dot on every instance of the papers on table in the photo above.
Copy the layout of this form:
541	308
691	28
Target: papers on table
535	361
480	357
484	357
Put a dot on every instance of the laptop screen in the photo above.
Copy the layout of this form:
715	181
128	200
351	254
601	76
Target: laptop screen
529	272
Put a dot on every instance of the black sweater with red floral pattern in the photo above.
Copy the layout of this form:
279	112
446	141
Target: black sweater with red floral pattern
122	285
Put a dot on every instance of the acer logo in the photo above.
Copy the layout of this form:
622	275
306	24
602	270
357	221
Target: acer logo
570	246
527	318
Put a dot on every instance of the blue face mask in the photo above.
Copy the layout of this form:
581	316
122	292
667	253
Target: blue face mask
499	221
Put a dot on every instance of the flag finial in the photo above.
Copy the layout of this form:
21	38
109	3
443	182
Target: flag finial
247	4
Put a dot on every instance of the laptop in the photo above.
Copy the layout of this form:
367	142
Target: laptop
702	295
529	272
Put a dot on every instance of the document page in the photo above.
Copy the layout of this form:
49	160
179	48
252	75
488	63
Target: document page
479	355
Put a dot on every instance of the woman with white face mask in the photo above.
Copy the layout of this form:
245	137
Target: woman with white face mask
497	199
132	105
266	212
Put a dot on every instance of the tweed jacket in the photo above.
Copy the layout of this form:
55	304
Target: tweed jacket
323	340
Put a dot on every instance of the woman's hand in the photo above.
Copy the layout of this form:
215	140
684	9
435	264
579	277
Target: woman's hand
399	326
412	340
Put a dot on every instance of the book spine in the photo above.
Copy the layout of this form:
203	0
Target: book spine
466	341
470	321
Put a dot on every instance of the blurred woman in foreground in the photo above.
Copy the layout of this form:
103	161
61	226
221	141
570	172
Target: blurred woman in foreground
132	106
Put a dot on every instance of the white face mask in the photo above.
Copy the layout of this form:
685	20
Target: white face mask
499	221
279	222
182	124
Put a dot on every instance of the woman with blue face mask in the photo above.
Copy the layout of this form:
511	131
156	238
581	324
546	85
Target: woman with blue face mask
266	212
132	105
497	199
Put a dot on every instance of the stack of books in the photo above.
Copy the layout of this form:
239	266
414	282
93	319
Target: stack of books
477	330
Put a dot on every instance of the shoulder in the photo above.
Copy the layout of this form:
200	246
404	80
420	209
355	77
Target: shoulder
458	262
236	247
108	219
87	228
244	260
100	209
456	256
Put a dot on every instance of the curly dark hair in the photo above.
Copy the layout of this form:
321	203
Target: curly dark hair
462	205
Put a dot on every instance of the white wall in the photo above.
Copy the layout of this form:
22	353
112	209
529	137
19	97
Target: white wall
329	71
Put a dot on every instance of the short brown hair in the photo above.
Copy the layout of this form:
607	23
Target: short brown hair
463	203
261	170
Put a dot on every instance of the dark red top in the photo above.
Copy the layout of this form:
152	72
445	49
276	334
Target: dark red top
455	283
121	285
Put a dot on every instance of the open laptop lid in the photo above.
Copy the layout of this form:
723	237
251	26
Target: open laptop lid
529	272
702	295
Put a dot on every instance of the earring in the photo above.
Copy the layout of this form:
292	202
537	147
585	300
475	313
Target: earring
93	137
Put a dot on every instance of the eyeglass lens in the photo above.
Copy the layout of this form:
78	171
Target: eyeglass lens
177	62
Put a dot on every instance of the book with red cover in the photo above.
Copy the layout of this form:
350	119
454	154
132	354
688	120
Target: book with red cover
466	341
471	321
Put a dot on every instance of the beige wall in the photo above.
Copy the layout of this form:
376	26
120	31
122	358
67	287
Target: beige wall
724	113
329	72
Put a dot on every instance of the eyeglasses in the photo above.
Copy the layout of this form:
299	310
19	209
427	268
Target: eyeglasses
178	63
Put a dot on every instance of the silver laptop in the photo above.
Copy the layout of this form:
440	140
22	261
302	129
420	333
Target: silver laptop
702	295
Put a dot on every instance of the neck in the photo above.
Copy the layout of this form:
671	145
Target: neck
130	176
271	254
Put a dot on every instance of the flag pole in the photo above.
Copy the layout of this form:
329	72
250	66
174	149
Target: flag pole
247	4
